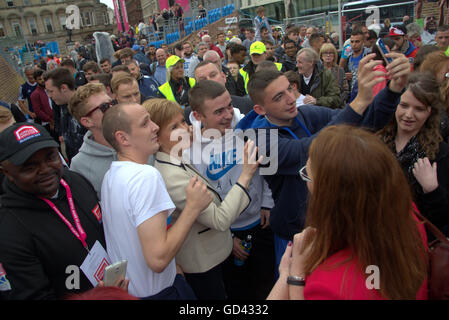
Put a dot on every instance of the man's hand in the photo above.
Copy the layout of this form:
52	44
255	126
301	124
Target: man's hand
264	218
309	99
348	76
367	79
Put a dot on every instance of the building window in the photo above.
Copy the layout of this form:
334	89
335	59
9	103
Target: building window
32	25
26	2
48	24
106	18
2	31
87	18
10	3
62	21
17	29
43	1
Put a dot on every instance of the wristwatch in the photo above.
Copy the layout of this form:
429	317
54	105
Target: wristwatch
296	281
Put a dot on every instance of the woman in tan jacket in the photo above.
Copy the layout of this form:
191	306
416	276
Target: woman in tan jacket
209	242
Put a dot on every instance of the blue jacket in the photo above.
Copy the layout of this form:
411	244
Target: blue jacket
148	86
289	191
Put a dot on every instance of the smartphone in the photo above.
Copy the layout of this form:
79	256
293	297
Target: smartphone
383	50
114	272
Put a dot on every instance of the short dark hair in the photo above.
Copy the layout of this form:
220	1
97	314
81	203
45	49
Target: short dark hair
104	60
60	76
293	77
314	37
205	63
236	48
91	66
258	82
37	73
204	90
443	28
68	63
104	78
120	67
357	32
288	40
115	119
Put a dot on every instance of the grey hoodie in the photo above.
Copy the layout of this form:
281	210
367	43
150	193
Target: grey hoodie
221	164
93	161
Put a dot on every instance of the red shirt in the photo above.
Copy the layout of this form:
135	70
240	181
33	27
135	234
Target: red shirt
217	49
340	277
41	104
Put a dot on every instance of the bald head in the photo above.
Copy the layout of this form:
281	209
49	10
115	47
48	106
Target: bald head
161	56
116	119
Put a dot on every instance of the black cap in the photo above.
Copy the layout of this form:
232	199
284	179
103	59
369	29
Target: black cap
21	140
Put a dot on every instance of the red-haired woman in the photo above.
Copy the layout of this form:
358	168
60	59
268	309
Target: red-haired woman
362	240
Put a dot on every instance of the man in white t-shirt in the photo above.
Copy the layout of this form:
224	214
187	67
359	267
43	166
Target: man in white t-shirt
136	207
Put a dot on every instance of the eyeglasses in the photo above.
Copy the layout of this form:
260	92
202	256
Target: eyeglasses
303	174
103	107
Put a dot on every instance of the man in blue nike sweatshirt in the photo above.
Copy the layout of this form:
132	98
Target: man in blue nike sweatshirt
275	109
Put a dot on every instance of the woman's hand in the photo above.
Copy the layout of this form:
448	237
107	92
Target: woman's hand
426	174
302	243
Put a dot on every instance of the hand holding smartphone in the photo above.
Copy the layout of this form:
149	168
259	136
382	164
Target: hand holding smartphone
383	50
114	272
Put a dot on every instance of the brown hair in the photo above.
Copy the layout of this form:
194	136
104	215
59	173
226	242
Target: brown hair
162	111
425	88
371	217
202	91
119	79
78	103
434	62
60	76
91	66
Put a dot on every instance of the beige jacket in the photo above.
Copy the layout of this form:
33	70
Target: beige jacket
209	242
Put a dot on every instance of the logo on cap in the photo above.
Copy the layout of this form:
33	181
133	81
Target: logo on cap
25	133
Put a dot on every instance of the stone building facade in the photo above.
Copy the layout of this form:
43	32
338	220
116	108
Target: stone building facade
149	7
32	20
134	10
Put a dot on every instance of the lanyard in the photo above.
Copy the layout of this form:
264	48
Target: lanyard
79	231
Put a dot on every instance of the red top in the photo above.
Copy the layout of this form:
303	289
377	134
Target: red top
340	278
41	104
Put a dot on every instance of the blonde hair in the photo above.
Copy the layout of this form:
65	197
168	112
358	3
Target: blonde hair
78	103
326	47
162	110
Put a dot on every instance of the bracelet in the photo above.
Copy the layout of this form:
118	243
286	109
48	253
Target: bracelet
296	281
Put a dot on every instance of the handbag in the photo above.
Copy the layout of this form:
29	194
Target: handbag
438	262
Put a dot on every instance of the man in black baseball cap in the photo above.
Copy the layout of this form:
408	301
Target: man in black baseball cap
41	199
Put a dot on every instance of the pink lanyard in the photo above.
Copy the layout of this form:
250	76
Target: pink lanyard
79	231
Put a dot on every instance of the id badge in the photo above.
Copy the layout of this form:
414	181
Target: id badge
95	262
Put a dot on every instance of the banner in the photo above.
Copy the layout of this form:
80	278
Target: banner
124	15
117	16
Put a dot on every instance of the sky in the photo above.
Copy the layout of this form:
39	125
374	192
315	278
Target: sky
108	3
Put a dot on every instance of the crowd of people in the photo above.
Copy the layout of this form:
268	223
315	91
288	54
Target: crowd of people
161	158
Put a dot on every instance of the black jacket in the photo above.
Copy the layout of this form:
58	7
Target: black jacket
36	246
434	205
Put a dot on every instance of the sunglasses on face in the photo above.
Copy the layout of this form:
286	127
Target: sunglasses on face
103	107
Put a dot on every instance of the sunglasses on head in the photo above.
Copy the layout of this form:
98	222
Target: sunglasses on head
103	107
